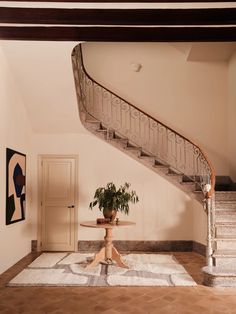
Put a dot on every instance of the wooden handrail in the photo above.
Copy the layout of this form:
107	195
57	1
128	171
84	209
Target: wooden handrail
212	190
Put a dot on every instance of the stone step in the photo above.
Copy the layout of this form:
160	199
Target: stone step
226	243
226	253
160	167
174	175
148	158
223	196
225	216
133	148
189	186
226	229
198	195
225	258
225	205
93	126
219	276
92	120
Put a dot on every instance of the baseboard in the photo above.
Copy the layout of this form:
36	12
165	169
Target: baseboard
139	246
34	245
199	248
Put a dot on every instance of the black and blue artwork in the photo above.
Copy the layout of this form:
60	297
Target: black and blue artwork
15	186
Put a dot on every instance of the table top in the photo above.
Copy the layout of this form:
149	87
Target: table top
93	224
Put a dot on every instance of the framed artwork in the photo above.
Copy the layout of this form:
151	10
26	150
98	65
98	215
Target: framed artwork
15	186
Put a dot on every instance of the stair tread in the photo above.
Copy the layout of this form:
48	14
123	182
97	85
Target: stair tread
143	157
188	183
92	121
225	211
119	139
225	201
224	223
220	270
225	238
101	130
174	175
160	166
225	192
133	148
226	253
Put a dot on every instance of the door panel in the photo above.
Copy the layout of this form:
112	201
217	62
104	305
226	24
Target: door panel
58	204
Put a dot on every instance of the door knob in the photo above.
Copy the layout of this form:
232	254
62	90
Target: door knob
71	206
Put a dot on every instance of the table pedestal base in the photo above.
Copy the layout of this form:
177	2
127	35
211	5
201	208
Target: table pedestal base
108	254
100	257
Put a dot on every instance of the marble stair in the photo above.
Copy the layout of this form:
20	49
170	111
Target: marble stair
223	271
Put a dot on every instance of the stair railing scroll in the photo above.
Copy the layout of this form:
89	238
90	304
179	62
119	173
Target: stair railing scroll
167	146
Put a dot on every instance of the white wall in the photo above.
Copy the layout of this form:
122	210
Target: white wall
232	116
15	133
163	213
190	97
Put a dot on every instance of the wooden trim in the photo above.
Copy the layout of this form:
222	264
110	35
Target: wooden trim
120	34
199	248
204	16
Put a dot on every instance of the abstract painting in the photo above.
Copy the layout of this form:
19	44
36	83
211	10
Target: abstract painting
15	186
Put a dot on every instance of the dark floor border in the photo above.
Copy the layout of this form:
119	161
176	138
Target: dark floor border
145	246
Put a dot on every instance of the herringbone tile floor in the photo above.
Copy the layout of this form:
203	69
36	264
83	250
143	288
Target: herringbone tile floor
114	300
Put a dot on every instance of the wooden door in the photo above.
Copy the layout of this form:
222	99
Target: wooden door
58	200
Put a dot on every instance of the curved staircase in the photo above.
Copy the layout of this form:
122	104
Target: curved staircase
169	154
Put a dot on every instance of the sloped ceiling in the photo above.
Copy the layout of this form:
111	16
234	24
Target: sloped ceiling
206	52
211	52
43	74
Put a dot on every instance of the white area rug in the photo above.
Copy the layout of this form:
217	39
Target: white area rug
69	269
47	260
48	277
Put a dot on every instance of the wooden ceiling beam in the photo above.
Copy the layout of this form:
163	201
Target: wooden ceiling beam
120	34
204	16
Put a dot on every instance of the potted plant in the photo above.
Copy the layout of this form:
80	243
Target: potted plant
110	200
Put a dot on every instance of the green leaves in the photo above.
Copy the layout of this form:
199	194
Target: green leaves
110	197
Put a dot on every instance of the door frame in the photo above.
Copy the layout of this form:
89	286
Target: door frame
39	202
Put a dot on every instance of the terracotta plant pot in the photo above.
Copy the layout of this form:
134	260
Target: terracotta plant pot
109	213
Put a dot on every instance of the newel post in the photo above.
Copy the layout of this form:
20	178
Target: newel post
210	223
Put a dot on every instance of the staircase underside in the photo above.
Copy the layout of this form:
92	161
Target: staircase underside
137	153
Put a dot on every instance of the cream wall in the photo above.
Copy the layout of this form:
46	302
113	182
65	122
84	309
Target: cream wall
163	213
15	133
190	97
232	116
